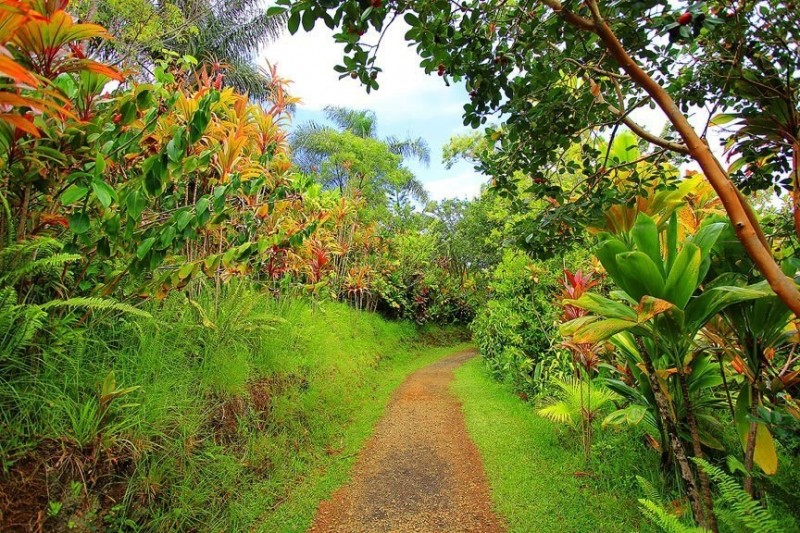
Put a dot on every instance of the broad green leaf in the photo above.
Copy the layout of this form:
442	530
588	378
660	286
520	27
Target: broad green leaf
672	241
568	328
607	253
135	202
144	247
99	165
186	270
682	278
105	194
701	309
183	219
79	223
602	306
202	206
601	330
707	236
650	307
723	118
645	235
641	275
73	194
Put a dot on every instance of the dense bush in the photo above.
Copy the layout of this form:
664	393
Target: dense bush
517	329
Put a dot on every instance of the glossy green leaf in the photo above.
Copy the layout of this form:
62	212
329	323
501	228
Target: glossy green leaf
645	236
79	223
144	247
602	306
73	194
601	330
641	275
682	278
105	194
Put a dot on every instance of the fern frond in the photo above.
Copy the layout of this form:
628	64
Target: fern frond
744	509
99	304
666	521
47	265
18	323
649	490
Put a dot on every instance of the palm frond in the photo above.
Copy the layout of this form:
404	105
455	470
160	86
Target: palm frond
411	148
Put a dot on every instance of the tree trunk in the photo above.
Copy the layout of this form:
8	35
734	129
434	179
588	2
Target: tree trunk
678	451
750	448
796	186
697	449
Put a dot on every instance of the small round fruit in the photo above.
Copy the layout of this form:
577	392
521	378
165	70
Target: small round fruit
685	19
354	74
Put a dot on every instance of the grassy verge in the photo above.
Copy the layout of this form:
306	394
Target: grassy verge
231	411
532	469
297	511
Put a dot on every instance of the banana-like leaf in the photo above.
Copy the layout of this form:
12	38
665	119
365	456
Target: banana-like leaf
601	330
682	279
641	274
701	309
569	328
645	236
607	253
602	306
650	307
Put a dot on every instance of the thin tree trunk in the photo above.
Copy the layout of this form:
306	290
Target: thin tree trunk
705	486
750	449
796	186
678	451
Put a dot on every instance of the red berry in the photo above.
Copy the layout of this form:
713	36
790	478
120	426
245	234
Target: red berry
377	4
685	19
117	118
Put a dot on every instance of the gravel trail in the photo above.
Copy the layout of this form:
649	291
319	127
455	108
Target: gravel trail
419	472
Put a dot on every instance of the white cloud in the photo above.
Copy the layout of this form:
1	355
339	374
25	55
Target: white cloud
466	185
405	90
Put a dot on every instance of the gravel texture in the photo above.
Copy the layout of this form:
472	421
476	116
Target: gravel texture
419	472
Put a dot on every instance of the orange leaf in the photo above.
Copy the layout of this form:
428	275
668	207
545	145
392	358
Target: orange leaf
21	123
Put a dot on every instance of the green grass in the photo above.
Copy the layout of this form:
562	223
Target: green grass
531	465
247	411
297	512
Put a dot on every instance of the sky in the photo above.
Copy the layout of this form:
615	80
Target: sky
409	103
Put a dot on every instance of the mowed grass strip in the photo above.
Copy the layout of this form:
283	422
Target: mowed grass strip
537	480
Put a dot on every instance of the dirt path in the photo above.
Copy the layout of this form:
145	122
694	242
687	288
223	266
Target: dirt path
419	472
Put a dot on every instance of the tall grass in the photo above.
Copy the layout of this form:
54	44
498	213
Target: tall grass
204	417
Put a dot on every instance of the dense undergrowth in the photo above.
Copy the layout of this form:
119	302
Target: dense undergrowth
206	416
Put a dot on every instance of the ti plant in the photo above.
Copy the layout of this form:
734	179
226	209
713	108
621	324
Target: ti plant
757	337
662	306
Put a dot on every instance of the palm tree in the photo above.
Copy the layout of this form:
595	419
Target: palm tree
312	147
224	33
364	123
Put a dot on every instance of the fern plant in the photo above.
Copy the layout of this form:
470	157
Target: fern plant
736	508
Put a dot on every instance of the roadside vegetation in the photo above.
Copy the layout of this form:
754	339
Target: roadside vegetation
204	307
